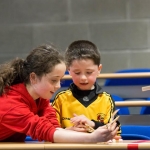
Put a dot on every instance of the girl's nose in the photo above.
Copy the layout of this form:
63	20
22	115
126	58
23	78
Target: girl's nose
57	86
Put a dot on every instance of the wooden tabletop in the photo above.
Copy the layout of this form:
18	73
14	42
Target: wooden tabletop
122	145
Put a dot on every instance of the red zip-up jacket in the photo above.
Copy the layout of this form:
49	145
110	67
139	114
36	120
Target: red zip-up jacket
21	115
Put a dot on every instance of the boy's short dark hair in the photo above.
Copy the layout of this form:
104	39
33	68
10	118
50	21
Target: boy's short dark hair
82	49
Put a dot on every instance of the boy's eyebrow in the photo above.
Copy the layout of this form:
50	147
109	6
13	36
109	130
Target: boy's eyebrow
90	69
85	69
75	70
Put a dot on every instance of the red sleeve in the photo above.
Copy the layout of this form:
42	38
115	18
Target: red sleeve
49	112
20	119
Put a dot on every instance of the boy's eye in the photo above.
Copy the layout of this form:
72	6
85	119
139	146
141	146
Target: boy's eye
77	73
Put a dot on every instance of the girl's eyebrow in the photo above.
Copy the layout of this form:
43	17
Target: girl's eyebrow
57	76
53	76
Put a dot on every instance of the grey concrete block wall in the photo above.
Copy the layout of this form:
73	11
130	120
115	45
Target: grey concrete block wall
120	28
97	10
33	11
60	34
139	9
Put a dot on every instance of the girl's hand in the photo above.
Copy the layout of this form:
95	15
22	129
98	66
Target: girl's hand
104	133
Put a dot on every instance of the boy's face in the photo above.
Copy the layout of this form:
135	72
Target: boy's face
84	73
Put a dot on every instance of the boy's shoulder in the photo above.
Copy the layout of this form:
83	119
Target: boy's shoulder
62	92
100	90
62	95
104	94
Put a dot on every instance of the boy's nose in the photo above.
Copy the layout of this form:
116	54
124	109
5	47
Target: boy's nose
83	77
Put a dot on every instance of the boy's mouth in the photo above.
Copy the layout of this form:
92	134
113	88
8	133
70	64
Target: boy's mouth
83	83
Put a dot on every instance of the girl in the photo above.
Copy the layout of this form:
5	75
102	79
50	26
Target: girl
25	89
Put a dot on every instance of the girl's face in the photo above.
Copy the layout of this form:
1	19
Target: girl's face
84	73
47	84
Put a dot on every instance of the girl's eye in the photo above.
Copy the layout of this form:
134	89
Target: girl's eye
54	81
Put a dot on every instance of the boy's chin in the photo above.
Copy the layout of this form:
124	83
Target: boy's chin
84	88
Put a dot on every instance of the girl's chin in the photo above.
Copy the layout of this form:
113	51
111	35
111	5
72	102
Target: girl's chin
48	97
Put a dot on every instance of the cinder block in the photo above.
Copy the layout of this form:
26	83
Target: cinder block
59	34
97	10
15	39
140	59
120	35
9	57
33	11
113	61
139	9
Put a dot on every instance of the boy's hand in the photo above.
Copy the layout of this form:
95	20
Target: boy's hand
78	121
117	137
78	129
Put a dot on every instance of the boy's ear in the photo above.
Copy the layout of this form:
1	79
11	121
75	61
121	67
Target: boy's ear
69	72
68	69
100	68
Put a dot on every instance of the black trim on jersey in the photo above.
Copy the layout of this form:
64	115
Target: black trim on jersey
90	94
97	124
114	106
57	95
118	123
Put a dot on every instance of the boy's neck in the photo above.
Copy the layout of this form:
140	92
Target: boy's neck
92	87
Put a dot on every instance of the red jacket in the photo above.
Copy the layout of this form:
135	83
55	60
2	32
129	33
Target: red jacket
21	115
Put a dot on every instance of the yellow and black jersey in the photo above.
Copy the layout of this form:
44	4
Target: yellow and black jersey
95	104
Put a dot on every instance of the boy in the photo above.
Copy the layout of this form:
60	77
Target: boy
84	102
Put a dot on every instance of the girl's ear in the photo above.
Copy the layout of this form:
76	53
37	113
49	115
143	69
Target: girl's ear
33	78
100	68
